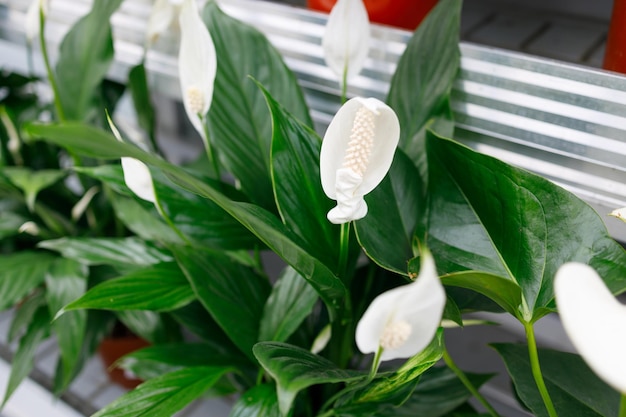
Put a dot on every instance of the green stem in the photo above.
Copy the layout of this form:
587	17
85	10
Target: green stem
536	369
210	150
468	384
46	60
622	406
344	246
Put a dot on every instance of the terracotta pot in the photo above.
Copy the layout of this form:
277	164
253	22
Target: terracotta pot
405	14
615	55
113	348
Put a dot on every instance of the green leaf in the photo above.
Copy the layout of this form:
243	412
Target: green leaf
32	182
165	395
160	287
199	219
129	251
151	326
24	313
197	320
23	361
153	361
295	166
21	273
142	222
505	292
269	229
575	390
10	223
196	217
391	388
489	216
85	55
66	281
421	84
291	301
386	233
295	369
233	294
439	392
239	120
259	401
138	85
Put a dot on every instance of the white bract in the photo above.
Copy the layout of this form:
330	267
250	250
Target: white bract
197	65
594	321
161	18
32	18
404	320
136	174
346	38
357	151
619	213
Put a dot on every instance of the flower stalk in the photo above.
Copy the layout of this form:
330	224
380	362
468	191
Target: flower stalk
536	369
468	384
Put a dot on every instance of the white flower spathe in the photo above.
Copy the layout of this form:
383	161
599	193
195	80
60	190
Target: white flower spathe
136	174
138	178
619	213
404	320
32	18
594	321
357	151
161	17
197	65
346	38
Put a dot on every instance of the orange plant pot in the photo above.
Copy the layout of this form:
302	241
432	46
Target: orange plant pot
405	14
615	55
113	348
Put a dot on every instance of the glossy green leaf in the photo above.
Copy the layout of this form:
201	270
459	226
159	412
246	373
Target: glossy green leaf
386	233
143	222
24	359
197	320
32	182
165	395
66	281
160	287
489	216
108	251
233	294
10	223
21	273
575	390
153	361
201	220
438	393
239	120
505	292
295	166
138	86
267	227
85	55
390	389
150	325
421	84
295	369
259	401
291	301
110	174
25	313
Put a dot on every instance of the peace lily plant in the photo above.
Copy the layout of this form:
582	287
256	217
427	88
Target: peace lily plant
387	230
